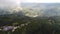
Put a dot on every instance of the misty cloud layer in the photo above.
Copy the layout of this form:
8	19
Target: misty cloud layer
7	3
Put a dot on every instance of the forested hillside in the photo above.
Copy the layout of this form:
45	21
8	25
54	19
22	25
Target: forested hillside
32	19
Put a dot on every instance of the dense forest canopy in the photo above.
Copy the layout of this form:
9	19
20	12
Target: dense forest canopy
34	18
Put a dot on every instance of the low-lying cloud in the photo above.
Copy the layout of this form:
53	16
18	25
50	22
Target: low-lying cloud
7	3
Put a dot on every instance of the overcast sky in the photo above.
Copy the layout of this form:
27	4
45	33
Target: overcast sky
42	1
13	3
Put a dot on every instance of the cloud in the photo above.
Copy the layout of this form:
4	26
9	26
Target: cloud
8	3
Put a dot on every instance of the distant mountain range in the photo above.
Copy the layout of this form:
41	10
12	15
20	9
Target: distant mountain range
40	9
45	9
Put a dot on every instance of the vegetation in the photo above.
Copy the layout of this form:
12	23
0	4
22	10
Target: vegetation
37	25
24	22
